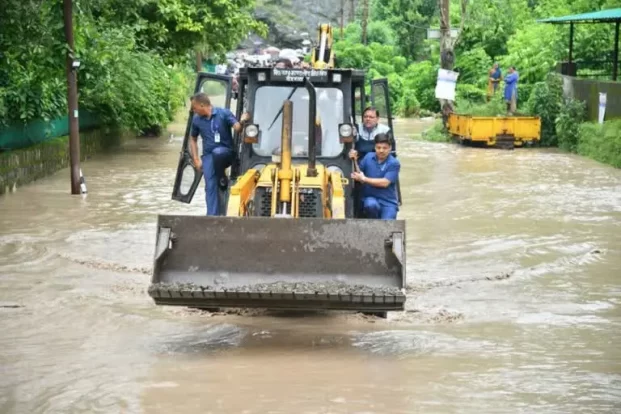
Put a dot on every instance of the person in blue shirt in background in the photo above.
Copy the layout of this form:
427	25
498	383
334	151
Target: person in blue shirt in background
379	172
511	84
214	126
367	130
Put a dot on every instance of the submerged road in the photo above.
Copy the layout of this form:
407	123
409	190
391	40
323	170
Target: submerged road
514	266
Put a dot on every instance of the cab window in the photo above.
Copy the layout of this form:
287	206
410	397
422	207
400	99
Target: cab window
267	105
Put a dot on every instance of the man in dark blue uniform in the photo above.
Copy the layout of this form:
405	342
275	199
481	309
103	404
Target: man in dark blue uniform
379	172
214	126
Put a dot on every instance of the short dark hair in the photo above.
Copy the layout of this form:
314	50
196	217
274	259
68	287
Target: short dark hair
201	97
371	108
383	138
286	61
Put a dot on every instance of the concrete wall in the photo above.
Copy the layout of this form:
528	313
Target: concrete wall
588	90
19	167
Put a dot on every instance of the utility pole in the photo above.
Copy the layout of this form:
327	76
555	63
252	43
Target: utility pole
447	59
365	20
342	16
72	100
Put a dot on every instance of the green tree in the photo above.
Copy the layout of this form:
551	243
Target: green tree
409	20
490	24
134	53
173	27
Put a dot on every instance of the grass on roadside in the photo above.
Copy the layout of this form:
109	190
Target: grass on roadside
601	142
436	133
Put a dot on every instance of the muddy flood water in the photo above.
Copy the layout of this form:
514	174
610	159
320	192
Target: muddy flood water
514	299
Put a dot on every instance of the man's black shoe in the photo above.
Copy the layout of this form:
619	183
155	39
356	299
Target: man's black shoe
223	183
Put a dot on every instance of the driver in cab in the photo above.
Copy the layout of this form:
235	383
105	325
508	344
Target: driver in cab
378	173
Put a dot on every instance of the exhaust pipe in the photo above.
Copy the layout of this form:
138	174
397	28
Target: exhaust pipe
312	139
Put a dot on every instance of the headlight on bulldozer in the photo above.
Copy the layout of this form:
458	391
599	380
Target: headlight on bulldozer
346	133
251	134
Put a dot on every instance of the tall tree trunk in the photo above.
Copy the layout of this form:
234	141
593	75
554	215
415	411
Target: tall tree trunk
352	10
199	61
365	20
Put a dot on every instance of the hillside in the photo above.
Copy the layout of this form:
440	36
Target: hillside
287	19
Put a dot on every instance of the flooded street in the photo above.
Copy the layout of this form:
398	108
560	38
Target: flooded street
514	301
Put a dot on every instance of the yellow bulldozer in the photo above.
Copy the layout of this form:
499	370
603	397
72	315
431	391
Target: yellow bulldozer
293	235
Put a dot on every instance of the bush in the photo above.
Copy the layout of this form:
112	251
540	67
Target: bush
546	101
122	85
382	53
470	93
396	90
380	32
382	68
353	55
421	78
568	123
409	105
436	133
126	87
399	63
524	92
473	67
601	142
495	107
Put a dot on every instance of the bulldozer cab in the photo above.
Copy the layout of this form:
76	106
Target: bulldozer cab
340	96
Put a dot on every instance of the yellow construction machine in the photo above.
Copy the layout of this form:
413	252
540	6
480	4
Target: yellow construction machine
322	56
293	236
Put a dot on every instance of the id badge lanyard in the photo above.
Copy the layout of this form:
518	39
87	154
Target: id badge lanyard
216	133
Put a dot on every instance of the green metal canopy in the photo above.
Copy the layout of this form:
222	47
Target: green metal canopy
601	16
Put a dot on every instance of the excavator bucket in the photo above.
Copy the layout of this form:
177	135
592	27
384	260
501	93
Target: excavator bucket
279	263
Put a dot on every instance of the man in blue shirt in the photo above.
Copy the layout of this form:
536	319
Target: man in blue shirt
511	84
214	126
379	172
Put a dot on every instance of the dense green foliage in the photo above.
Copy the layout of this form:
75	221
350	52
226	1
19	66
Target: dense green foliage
135	55
494	31
601	142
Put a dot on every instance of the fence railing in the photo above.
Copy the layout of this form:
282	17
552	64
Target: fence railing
19	135
590	69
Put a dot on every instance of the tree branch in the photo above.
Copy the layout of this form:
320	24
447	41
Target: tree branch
462	23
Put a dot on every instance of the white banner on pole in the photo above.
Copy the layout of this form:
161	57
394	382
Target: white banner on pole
445	86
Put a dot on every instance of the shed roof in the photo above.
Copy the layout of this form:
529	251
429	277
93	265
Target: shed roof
601	16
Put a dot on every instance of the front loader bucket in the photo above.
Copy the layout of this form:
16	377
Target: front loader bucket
279	263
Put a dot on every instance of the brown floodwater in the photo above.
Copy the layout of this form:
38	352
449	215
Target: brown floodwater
514	298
